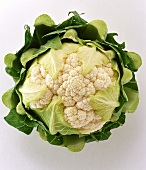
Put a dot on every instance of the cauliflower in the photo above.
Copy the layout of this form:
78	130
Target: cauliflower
73	82
74	89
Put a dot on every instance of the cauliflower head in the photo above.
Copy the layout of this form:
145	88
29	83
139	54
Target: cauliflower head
76	74
73	82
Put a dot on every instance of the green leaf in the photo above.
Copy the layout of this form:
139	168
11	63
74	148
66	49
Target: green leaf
135	61
132	84
122	101
127	75
27	56
20	109
56	32
44	19
73	142
89	32
8	60
10	98
77	18
13	73
28	40
101	27
99	136
69	48
19	121
105	101
73	22
133	99
112	125
42	133
54	43
28	36
71	34
54	139
110	39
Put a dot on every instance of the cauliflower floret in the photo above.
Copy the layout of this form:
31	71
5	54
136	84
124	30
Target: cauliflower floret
84	104
67	68
103	79
68	101
94	125
77	85
90	89
72	60
36	76
77	98
77	118
49	81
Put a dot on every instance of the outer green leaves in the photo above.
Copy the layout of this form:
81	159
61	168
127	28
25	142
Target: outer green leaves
135	61
71	34
44	19
74	21
27	56
10	98
74	143
54	43
13	65
127	75
101	28
112	41
133	100
28	40
9	58
21	122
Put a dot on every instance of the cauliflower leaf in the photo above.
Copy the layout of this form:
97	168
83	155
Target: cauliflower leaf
90	57
31	92
105	101
53	118
53	62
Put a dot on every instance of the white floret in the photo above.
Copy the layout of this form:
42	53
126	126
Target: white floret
103	80
36	76
77	118
68	101
84	104
35	70
94	125
67	68
90	89
49	81
65	77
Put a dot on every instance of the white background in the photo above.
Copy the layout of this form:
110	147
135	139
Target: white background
126	148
